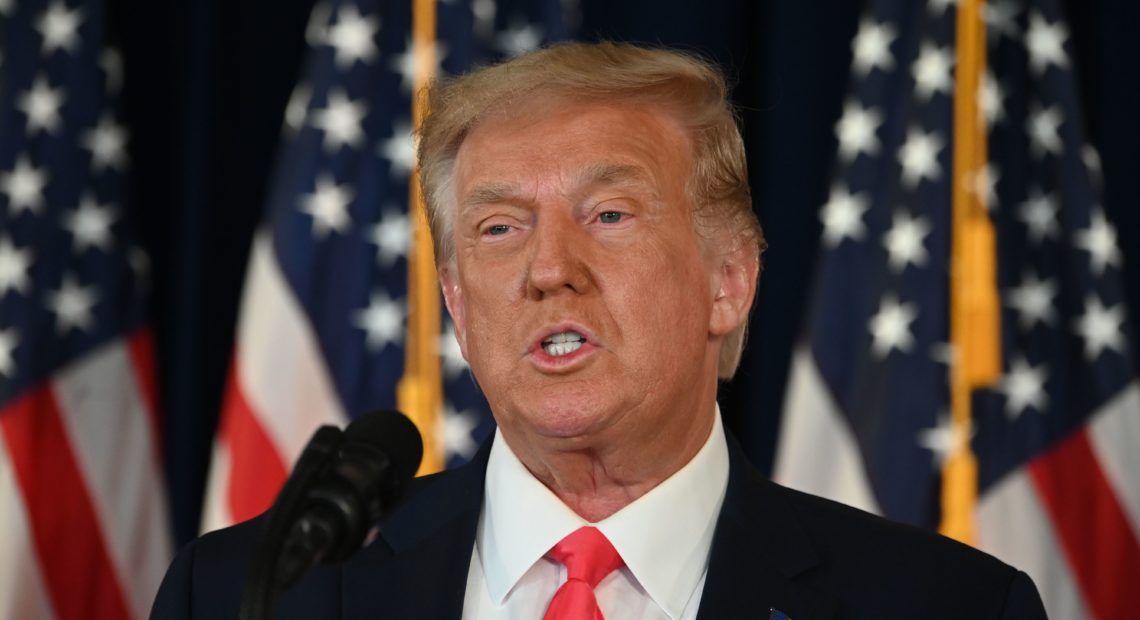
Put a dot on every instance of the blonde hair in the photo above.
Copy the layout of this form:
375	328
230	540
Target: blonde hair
691	89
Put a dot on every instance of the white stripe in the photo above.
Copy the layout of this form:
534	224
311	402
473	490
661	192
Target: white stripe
108	425
22	593
1013	526
280	368
280	373
1114	433
217	514
817	452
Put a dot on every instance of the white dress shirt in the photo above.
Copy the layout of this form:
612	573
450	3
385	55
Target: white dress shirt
664	537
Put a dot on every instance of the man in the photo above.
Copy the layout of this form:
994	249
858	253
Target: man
599	255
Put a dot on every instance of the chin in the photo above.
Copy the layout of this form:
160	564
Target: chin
567	413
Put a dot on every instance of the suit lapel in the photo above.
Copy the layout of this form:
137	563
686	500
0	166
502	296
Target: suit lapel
417	568
758	550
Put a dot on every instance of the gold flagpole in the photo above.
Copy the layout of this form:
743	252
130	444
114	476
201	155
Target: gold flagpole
420	391
975	318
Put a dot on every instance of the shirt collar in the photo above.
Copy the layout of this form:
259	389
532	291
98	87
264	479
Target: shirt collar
664	536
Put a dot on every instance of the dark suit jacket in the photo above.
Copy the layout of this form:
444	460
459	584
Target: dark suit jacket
773	548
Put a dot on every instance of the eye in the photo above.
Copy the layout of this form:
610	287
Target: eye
498	229
610	217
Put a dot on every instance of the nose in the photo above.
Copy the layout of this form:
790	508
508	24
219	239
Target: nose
557	253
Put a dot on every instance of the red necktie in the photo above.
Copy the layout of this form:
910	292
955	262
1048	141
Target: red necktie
588	557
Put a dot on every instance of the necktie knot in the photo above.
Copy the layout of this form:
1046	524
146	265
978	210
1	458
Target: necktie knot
588	557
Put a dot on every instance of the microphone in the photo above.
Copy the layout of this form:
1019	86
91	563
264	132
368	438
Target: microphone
341	486
379	454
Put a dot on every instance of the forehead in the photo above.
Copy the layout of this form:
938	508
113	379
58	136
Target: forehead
565	142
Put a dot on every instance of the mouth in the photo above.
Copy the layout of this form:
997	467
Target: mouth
562	343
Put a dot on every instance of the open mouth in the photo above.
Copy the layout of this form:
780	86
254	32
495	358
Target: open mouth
563	343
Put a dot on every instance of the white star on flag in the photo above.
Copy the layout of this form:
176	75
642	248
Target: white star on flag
454	435
418	60
297	110
89	225
1099	240
111	62
24	186
328	204
106	141
856	131
1101	328
842	216
400	150
1001	18
1033	301
14	265
1024	387
871	47
391	235
72	306
933	71
352	36
1045	43
41	103
904	241
1039	213
341	121
991	99
9	339
938	7
890	327
60	28
520	38
1043	128
382	320
6	6
919	157
944	440
983	184
484	13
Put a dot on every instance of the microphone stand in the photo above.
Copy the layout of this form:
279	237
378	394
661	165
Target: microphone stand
265	582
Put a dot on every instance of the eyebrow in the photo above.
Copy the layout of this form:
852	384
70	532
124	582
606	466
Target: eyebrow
602	173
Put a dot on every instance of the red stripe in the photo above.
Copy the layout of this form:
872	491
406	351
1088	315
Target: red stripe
79	575
257	471
1098	541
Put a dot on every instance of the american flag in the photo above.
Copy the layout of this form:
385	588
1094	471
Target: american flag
867	413
84	529
321	335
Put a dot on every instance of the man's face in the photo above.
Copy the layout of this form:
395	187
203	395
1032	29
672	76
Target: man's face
583	298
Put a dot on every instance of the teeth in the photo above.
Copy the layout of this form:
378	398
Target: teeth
563	343
558	349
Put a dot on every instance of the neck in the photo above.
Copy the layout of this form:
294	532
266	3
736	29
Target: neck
598	477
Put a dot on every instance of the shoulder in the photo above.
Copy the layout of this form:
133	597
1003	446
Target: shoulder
894	567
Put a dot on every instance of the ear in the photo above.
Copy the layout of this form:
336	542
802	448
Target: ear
734	288
453	297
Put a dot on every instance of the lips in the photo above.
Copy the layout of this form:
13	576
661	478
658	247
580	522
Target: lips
560	345
563	343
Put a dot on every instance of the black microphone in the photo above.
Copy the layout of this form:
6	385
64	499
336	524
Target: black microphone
339	489
378	455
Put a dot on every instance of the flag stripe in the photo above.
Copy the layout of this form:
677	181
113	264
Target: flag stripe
814	427
110	430
280	366
1029	542
1113	434
77	568
1094	533
141	347
278	394
257	468
22	592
